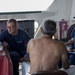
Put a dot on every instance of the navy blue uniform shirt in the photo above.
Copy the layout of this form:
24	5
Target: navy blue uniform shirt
16	43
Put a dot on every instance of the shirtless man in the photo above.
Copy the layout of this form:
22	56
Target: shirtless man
46	52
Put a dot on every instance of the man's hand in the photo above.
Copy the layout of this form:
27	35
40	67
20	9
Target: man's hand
24	59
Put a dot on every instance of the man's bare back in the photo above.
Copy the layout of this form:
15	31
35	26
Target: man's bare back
45	54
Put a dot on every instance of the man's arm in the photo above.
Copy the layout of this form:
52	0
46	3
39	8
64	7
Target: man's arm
70	42
30	45
3	36
26	57
64	58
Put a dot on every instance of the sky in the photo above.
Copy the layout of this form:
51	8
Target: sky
24	5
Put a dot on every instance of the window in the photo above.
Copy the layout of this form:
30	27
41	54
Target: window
36	25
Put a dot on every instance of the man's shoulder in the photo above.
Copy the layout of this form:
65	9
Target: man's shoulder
5	32
59	43
32	41
23	31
